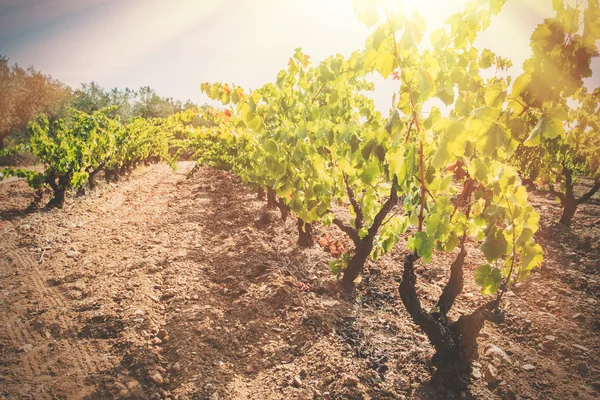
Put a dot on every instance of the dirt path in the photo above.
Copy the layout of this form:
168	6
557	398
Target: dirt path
70	285
160	287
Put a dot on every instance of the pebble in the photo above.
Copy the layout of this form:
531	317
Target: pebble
26	348
579	317
73	254
157	378
582	348
214	396
582	368
528	367
297	382
551	304
549	343
476	373
162	334
175	368
490	373
496	353
156	341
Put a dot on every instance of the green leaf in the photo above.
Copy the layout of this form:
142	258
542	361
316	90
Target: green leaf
495	95
531	257
495	245
424	245
525	236
489	278
370	173
386	63
442	156
495	138
395	160
271	147
546	128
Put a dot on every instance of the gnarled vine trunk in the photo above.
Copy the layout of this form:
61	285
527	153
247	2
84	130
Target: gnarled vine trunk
568	200
305	234
59	190
364	246
260	193
271	198
455	342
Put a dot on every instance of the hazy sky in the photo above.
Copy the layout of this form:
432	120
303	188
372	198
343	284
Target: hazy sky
175	45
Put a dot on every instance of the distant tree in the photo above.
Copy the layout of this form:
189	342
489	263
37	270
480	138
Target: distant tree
25	94
91	97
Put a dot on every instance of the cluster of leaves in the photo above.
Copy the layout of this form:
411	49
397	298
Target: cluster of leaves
314	137
556	117
76	148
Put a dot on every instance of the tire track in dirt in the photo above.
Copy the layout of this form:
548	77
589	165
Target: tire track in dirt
68	357
58	309
50	299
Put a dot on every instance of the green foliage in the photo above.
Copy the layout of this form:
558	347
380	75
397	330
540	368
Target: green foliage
315	138
554	115
75	148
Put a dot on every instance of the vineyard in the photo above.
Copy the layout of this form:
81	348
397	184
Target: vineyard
296	242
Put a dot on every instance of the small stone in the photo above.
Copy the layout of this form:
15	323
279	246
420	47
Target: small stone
581	348
214	396
175	368
528	367
350	380
157	378
496	353
194	297
297	382
490	373
507	394
476	373
551	304
145	334
156	341
548	345
26	348
579	317
73	254
138	312
162	334
583	368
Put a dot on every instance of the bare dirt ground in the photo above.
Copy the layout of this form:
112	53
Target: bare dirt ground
160	287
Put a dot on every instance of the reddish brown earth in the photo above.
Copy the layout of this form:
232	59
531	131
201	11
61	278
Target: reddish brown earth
160	287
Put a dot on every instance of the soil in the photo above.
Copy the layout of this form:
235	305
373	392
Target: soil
162	287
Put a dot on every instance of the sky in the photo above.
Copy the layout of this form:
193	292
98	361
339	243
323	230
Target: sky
173	46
